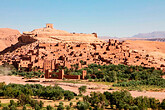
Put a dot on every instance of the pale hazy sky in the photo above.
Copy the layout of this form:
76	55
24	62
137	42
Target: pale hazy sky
120	18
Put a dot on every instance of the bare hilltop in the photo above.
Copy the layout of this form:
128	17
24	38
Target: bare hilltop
49	48
8	37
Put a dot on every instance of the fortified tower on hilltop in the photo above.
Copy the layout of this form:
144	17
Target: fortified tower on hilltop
48	25
51	35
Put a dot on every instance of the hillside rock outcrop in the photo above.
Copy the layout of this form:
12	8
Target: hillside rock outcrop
48	49
8	37
51	35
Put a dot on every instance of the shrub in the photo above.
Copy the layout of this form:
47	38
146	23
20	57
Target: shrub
90	108
53	98
13	107
49	107
90	80
82	89
61	103
71	104
24	99
33	103
68	95
37	107
162	105
97	100
24	107
12	103
41	104
60	107
82	105
67	107
134	107
6	108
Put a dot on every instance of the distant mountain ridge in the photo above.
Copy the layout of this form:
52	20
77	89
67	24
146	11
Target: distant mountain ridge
156	34
153	36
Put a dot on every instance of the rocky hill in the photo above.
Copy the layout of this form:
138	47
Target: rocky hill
51	35
153	48
8	37
48	48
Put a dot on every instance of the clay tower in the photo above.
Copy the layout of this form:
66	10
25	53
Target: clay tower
49	25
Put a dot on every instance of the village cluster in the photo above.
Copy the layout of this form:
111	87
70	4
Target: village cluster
47	49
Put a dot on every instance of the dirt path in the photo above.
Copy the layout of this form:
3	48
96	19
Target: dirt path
74	87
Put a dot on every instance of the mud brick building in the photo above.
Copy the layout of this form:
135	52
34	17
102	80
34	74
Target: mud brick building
61	75
48	49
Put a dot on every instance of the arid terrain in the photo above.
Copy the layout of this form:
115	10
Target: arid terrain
91	86
64	49
49	57
152	48
82	55
8	37
149	47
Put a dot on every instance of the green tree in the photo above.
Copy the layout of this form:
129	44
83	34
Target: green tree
12	103
60	107
162	105
24	99
13	107
68	95
41	104
71	104
98	100
82	89
37	107
82	105
24	107
67	107
6	108
49	107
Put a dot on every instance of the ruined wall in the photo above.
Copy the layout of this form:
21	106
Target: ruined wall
84	73
60	75
72	76
54	75
44	35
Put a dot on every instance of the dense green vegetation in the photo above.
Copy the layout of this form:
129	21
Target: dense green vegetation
120	75
31	74
123	75
95	101
24	94
46	92
120	100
